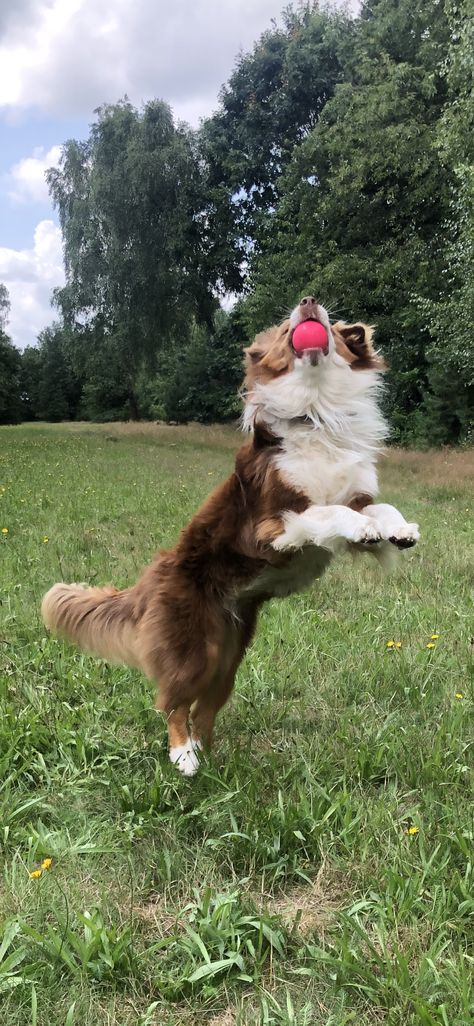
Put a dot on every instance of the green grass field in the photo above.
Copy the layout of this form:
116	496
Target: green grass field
319	869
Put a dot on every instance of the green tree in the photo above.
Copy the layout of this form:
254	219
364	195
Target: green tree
30	375
273	98
203	378
58	389
449	401
131	207
360	206
10	363
4	306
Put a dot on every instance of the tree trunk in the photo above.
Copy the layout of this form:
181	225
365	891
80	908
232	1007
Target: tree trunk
133	411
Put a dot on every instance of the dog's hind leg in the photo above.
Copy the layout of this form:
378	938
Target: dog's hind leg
183	750
175	698
206	707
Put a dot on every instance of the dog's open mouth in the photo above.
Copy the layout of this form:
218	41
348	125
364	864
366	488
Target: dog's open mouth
311	341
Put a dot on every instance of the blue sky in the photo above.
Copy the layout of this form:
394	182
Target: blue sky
60	59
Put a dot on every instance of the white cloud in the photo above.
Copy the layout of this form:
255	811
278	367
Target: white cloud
30	275
26	180
68	56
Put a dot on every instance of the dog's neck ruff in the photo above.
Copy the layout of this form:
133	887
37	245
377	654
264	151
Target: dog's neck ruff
330	406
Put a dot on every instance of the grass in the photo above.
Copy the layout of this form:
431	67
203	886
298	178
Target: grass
319	868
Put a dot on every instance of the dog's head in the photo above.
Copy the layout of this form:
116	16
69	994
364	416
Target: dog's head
272	354
283	383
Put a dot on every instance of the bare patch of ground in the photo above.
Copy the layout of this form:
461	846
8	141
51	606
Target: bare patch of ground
310	908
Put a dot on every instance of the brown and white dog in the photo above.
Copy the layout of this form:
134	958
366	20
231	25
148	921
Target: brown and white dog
302	489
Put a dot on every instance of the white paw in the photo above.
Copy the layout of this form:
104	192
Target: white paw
405	536
186	758
367	533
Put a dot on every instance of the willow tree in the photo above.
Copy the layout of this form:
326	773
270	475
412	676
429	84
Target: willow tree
132	213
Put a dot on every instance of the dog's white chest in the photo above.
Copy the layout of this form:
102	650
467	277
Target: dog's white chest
326	478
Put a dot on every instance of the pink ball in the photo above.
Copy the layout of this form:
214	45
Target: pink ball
309	335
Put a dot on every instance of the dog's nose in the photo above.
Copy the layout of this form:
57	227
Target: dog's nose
308	302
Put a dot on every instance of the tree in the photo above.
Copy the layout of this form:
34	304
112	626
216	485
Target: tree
360	205
449	400
30	374
203	380
59	390
10	403
10	361
132	215
274	97
4	306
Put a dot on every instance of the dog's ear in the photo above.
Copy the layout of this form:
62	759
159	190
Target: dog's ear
355	344
254	354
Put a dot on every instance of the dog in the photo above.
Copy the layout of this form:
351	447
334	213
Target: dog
302	490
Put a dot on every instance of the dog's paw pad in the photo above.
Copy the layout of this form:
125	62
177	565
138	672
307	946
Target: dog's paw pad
368	535
406	536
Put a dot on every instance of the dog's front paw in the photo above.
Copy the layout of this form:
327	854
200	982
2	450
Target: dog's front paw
406	536
367	533
186	757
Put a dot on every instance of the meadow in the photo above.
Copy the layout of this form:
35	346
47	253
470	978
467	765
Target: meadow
319	869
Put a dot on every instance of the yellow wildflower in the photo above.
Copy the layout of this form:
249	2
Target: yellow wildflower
4	530
45	539
35	875
459	694
398	644
434	637
46	863
390	644
431	644
412	830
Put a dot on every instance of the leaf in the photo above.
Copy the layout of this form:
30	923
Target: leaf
12	928
214	968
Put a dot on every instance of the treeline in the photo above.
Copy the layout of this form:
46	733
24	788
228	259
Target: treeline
339	162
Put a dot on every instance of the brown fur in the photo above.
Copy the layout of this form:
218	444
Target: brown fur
188	620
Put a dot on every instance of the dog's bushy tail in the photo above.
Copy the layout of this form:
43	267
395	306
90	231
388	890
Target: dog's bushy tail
100	620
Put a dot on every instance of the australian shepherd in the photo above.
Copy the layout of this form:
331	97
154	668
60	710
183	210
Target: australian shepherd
302	490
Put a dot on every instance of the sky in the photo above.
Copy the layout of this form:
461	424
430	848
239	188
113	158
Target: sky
59	60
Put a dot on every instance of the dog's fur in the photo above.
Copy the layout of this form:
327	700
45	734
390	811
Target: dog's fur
302	489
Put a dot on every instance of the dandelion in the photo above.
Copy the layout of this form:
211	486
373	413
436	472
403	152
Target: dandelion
35	875
459	694
398	644
4	530
46	864
390	644
45	539
431	644
412	831
434	637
